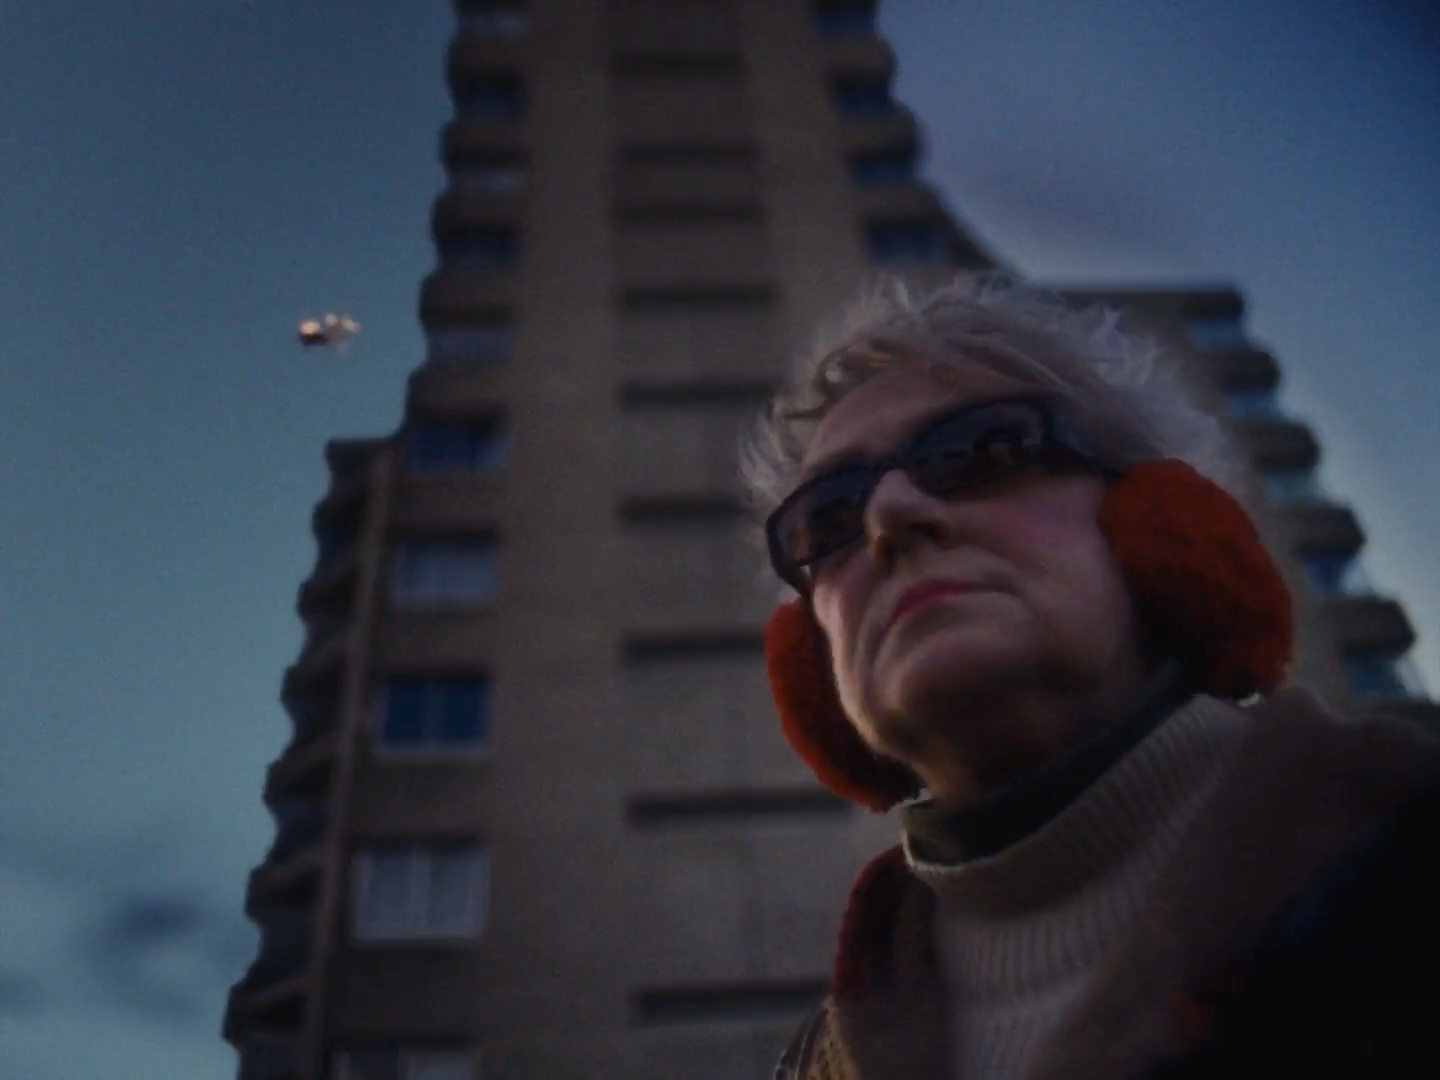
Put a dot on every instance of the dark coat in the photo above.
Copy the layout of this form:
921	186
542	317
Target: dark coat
1296	933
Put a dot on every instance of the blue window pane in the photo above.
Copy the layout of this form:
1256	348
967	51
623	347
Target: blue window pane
1374	678
881	170
464	718
405	701
442	446
863	97
429	445
1290	485
478	344
887	243
1253	404
1217	333
499	178
491	99
486	249
1326	572
483	448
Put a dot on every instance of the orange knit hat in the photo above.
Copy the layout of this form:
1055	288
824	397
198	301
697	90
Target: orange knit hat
1197	571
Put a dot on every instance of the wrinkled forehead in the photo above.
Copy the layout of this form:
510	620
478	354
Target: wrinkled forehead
881	413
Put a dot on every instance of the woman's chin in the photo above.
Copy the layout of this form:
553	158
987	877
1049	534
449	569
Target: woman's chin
949	664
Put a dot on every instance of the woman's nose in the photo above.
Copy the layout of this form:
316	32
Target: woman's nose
899	515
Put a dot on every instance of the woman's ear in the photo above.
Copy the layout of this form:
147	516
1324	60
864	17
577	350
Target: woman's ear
1201	576
814	723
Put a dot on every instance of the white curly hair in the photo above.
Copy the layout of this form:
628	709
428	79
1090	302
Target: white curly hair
1118	387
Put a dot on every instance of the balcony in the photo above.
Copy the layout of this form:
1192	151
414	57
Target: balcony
1385	680
332	584
288	878
304	767
857	55
492	97
1278	444
463	389
478	56
1246	369
271	996
910	202
1367	624
268	1061
1420	711
322	657
468	208
1322	526
345	495
463	142
457	294
862	136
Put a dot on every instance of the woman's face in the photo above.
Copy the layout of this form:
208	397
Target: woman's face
1021	632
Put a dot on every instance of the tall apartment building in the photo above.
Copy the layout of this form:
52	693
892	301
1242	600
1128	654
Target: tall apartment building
536	817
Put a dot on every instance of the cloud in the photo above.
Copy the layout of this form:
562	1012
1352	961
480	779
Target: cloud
118	921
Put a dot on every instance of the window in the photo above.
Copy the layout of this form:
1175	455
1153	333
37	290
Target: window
1291	485
489	178
479	343
1217	333
413	713
420	891
863	97
481	249
1375	678
1335	574
906	242
462	446
884	170
407	1063
498	98
1253	404
427	572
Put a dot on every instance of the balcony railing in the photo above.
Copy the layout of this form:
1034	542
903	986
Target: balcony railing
284	952
301	826
267	1061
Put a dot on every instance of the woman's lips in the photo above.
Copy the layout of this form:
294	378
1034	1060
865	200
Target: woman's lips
923	595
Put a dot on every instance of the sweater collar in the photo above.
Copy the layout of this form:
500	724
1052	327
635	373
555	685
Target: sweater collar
1143	801
995	821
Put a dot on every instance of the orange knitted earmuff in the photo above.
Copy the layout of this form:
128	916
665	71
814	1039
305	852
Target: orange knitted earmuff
1195	566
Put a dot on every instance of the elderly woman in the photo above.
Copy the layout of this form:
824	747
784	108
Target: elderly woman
1029	611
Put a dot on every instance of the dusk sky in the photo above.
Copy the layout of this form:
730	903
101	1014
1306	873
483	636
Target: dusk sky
181	182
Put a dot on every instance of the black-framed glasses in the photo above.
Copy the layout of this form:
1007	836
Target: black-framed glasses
966	447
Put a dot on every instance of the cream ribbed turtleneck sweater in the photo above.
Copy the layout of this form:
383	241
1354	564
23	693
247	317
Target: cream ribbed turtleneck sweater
1021	931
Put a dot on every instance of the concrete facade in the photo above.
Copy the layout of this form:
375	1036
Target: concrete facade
653	204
